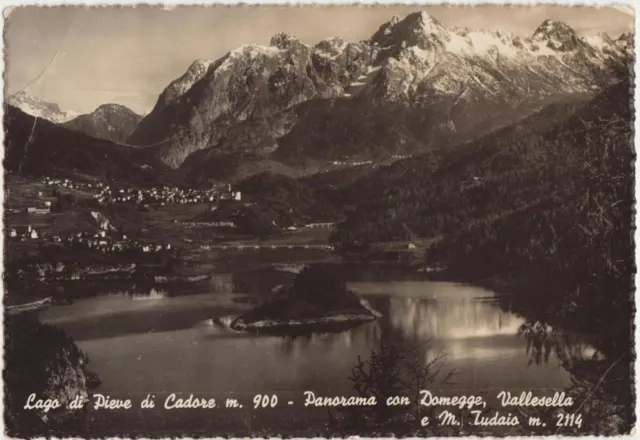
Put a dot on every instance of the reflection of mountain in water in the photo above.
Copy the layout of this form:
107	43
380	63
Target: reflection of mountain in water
459	319
177	339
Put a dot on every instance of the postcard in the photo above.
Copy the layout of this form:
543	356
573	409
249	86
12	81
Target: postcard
319	221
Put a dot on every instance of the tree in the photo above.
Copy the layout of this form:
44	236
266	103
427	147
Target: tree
396	369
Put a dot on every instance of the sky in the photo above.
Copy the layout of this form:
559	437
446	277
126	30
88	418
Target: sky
81	57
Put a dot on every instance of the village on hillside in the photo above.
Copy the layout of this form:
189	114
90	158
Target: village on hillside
34	210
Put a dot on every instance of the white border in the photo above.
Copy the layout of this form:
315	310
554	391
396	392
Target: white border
8	4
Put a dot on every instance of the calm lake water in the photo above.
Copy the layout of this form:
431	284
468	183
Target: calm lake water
159	344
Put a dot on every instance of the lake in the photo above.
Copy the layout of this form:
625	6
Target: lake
159	343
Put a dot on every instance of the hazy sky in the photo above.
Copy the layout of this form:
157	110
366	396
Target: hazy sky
82	57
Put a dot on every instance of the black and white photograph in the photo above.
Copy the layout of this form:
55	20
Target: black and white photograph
304	221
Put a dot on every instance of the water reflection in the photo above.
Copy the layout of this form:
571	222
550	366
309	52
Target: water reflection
459	319
177	342
153	294
543	340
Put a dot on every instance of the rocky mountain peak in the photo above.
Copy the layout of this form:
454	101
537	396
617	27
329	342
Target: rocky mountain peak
627	36
427	23
557	36
416	29
626	42
111	108
113	122
251	99
178	87
37	107
283	40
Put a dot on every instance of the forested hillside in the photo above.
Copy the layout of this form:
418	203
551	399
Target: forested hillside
450	188
290	201
575	232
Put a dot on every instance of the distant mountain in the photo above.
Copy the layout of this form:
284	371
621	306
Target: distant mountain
38	108
39	147
415	84
112	122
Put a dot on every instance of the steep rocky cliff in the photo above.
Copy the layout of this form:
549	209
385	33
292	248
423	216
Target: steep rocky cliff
244	100
413	85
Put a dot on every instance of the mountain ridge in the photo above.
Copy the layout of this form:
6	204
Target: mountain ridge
39	108
36	146
457	78
113	122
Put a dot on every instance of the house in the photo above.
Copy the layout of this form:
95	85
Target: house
13	232
237	195
411	246
33	234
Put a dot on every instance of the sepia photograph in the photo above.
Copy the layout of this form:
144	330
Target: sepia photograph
319	221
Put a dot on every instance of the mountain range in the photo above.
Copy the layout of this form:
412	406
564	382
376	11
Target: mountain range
113	122
36	146
413	87
38	108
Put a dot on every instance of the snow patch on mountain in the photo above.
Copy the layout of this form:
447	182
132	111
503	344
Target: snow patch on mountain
40	109
418	47
196	71
413	61
247	53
